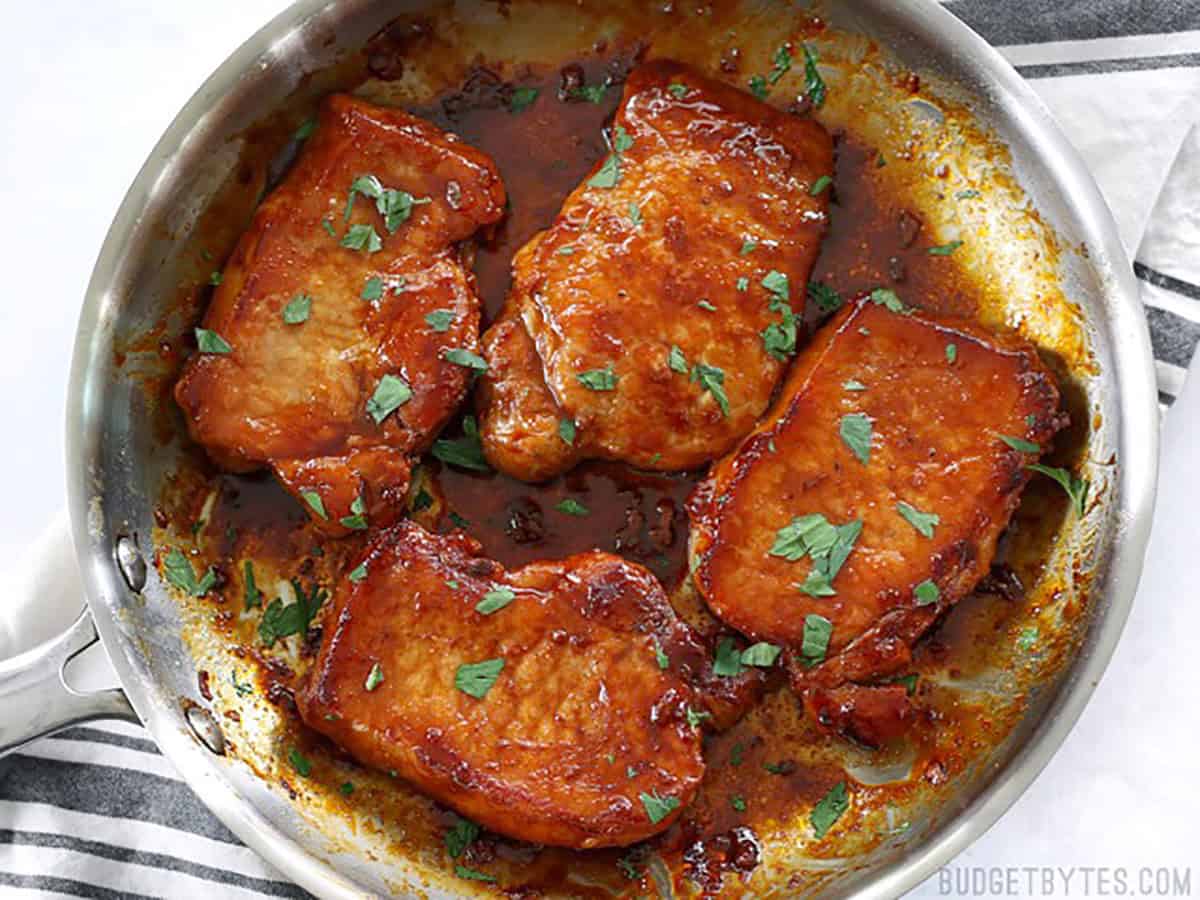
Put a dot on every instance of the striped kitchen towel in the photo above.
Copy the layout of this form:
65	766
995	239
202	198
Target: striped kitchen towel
96	812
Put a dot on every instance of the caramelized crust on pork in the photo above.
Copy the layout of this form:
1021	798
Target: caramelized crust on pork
581	723
697	233
295	396
939	396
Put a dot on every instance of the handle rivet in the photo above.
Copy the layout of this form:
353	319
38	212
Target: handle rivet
205	728
131	564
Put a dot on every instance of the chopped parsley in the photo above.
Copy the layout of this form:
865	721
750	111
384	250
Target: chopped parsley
180	573
358	573
391	393
476	679
327	224
473	875
211	342
592	93
599	379
461	836
566	250
743	284
297	310
660	656
738	803
827	299
922	521
678	91
968	194
815	642
1076	488
814	84
749	245
304	132
1020	444
736	753
357	520
1028	638
926	593
712	379
465	452
761	654
567	431
439	320
300	762
253	596
215	279
658	808
635	215
777	284
856	434
696	717
362	237
315	503
889	300
677	361
853	384
728	661
374	677
944	249
522	98
951	353
466	359
373	289
346	788
758	86
706	306
819	185
828	546
279	621
609	172
572	507
829	809
494	601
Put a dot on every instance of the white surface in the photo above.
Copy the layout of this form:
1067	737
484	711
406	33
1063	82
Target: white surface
86	89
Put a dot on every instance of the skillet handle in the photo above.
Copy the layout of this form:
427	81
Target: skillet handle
35	699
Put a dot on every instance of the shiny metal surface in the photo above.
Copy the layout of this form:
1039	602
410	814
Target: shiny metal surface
36	698
114	466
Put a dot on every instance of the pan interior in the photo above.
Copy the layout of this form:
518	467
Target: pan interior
921	134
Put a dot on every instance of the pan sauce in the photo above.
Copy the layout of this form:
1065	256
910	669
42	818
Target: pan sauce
902	184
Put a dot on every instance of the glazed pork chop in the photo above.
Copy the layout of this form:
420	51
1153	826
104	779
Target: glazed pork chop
544	703
343	333
871	500
652	321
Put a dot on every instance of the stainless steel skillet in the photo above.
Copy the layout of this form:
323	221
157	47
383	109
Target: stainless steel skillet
116	466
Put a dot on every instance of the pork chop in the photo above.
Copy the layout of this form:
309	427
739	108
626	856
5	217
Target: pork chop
871	499
342	334
543	703
652	321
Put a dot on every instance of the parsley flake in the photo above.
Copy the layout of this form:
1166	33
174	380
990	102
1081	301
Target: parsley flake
738	803
253	596
599	379
522	98
1076	488
476	679
677	361
461	836
180	573
815	642
855	431
658	808
374	677
211	342
473	875
814	84
465	452
300	762
889	300
944	249
827	299
373	289
829	809
926	593
762	655
567	431
439	320
728	661
951	353
466	359
660	656
357	520
358	573
571	507
1020	444
297	310
853	384
362	237
819	185
712	379
391	393
922	521
678	91
494	601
